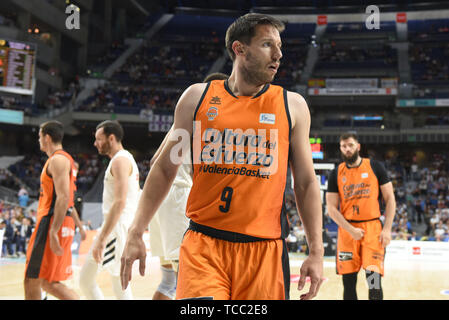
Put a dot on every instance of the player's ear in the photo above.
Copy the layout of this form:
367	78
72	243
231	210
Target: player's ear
238	48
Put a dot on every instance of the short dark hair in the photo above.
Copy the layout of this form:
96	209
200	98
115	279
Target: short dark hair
54	129
112	127
348	135
215	76
243	29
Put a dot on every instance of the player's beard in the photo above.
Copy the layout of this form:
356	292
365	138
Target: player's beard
255	72
351	159
104	150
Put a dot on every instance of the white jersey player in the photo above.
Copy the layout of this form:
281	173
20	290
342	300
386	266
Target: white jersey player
121	194
168	226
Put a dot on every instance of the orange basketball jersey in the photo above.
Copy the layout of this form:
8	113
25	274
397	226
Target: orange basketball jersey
47	193
359	191
240	158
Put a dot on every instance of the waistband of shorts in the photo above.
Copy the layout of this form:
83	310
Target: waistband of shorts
222	234
359	221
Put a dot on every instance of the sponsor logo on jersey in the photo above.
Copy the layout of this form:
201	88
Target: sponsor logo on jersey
267	118
215	100
240	147
344	256
212	113
364	175
360	190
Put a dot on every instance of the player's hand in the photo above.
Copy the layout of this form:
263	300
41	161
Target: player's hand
357	233
134	250
54	243
385	237
98	248
312	267
83	234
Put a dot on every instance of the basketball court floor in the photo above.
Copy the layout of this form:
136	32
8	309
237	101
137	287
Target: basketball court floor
402	280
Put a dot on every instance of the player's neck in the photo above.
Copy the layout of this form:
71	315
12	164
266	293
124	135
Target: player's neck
114	150
356	163
240	87
53	148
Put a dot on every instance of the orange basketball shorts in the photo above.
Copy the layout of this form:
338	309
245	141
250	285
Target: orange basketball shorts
41	261
366	253
211	268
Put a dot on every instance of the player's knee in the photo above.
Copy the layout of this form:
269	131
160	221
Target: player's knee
86	281
168	283
47	286
30	283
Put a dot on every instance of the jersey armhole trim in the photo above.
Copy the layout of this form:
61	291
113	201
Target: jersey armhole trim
201	100
287	112
194	118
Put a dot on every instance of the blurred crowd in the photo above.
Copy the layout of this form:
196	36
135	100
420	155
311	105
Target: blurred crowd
422	196
429	62
17	225
56	99
165	63
100	63
28	171
129	99
345	55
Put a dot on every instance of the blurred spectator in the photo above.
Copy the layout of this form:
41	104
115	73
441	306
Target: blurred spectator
23	196
414	237
8	238
88	225
440	229
23	236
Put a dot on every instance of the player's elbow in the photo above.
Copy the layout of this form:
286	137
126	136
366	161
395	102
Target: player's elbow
305	186
120	203
169	171
331	211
